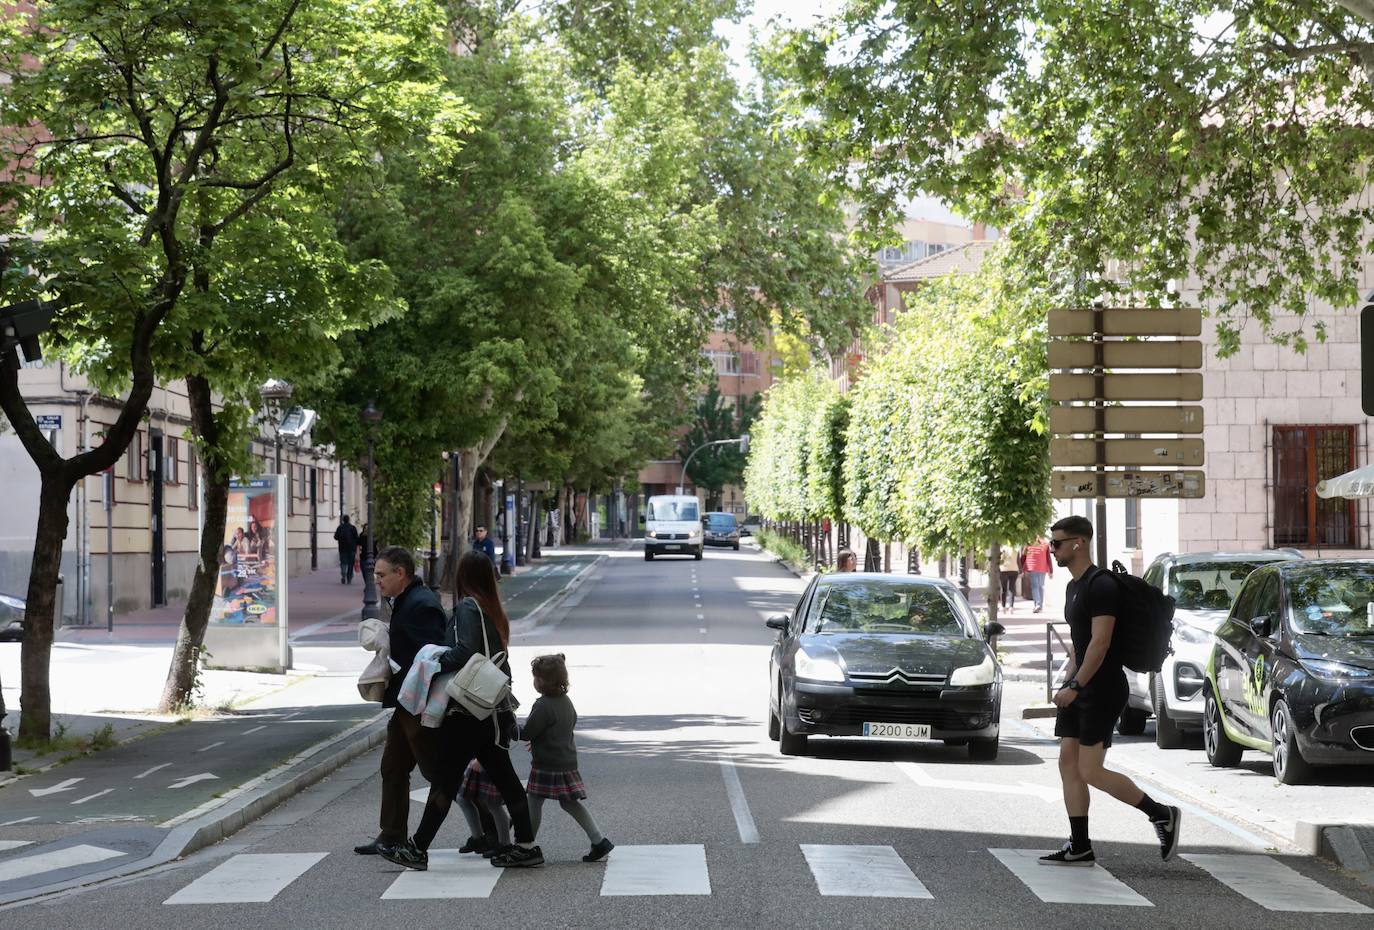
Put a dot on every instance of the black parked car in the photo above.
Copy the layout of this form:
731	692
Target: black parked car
1292	669
722	529
884	657
11	617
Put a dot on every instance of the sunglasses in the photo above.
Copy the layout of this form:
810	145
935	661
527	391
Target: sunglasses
1055	543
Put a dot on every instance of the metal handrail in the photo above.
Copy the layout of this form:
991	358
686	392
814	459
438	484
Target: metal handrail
1050	671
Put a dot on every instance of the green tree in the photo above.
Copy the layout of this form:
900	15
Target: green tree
1125	144
717	418
825	442
776	475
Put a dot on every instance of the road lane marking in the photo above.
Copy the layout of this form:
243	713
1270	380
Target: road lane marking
254	730
192	779
656	870
862	872
450	875
701	616
10	823
420	794
152	770
211	746
247	877
1067	884
92	797
67	858
919	776
7	845
66	785
1273	885
739	804
294	713
701	629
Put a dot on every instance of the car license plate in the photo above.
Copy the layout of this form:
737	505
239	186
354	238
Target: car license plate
897	730
671	547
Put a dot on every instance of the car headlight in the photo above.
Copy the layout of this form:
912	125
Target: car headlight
815	669
984	673
1188	633
652	534
1332	671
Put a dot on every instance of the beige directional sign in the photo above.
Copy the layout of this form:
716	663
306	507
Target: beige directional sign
1186	484
1175	453
1127	322
1185	419
1156	354
1180	386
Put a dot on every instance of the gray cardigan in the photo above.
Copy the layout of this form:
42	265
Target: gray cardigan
549	728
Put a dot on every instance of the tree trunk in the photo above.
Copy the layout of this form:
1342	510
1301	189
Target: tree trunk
179	688
994	580
35	717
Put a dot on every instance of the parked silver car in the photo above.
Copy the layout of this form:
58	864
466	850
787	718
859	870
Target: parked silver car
11	617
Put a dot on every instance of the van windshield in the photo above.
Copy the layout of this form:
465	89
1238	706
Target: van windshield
669	510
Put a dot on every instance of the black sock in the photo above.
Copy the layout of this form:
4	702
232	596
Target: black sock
1152	808
1078	833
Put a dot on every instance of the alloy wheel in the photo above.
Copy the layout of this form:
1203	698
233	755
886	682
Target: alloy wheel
1280	735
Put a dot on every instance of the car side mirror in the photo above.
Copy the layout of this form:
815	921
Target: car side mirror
779	622
1262	626
641	519
993	629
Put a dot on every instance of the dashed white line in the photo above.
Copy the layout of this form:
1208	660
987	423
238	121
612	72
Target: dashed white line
254	730
10	823
744	820
152	770
92	797
211	746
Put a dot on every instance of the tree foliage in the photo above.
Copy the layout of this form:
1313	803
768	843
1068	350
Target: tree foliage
1127	145
777	479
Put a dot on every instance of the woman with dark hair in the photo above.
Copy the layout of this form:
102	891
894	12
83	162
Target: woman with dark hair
462	737
257	538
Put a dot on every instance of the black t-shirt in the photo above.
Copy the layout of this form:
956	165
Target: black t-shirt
1083	601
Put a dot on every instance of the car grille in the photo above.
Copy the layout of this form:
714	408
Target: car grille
897	676
1363	737
941	718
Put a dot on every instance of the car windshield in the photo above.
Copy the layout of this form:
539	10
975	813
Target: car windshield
721	521
674	510
1208	585
1332	600
885	607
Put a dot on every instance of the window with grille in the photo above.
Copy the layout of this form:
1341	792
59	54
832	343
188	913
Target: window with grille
134	462
1304	455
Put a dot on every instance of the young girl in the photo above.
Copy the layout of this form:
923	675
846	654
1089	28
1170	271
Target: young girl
485	811
553	773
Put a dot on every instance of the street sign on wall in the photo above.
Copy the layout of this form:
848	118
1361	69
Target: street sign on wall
1155	354
1169	453
1183	419
1180	386
1159	484
1127	322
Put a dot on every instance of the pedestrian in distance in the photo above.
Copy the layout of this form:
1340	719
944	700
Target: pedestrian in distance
1008	570
417	620
478	625
1037	564
1091	700
480	801
846	561
364	543
553	771
483	543
346	535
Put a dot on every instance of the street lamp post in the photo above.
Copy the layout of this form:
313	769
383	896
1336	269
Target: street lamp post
275	393
370	417
742	440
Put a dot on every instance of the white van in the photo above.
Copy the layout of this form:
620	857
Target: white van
672	525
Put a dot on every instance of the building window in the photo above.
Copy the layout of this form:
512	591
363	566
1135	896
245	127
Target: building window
724	363
192	478
172	467
1304	455
134	463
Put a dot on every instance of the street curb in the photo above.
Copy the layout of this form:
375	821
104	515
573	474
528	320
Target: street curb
233	812
1349	845
778	559
530	622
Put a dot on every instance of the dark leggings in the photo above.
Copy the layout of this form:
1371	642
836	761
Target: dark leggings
462	739
1009	589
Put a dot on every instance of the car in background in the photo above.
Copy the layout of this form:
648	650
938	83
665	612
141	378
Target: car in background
722	529
11	617
751	525
1203	586
881	656
672	526
1291	671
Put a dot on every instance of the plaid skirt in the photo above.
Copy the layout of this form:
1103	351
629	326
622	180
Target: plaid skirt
556	785
476	786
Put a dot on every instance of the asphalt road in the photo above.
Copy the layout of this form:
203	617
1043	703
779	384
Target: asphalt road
716	829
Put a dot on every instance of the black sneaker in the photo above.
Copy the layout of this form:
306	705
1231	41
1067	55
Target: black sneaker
520	857
1067	856
1167	831
369	849
600	850
497	850
476	844
406	854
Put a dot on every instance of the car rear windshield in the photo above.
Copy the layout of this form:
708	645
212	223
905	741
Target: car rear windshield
721	521
884	607
1332	600
674	510
1208	585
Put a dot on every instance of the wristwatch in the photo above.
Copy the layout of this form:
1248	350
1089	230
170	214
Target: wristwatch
1072	685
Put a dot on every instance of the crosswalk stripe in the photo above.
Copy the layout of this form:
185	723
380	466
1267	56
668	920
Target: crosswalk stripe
451	875
1067	884
247	877
1273	885
656	870
862	872
7	845
65	858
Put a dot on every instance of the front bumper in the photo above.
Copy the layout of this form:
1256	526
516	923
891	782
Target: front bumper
842	710
1334	720
673	546
722	540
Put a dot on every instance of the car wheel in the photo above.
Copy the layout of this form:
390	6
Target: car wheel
1167	733
789	743
648	556
1221	751
1132	722
982	750
1290	768
737	547
774	724
700	553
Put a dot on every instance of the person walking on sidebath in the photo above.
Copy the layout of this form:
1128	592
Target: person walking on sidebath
347	538
1091	700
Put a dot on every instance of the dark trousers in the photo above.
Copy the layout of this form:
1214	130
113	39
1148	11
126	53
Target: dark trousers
407	745
1009	589
346	565
462	739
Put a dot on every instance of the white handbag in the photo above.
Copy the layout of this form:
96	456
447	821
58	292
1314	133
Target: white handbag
480	686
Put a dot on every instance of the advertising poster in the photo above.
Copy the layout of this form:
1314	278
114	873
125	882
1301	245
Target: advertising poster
247	592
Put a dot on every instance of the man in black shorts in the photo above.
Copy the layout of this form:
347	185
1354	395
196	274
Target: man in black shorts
1091	700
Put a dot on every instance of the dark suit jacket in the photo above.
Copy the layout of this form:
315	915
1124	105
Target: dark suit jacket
417	620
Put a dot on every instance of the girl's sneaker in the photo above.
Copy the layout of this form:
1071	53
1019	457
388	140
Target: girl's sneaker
599	851
476	844
497	850
520	858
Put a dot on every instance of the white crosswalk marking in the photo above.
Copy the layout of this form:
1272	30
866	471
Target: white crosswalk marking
862	872
56	859
1273	885
248	877
450	875
1067	884
656	870
7	845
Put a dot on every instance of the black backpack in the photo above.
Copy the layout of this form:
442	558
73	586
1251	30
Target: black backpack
1144	622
